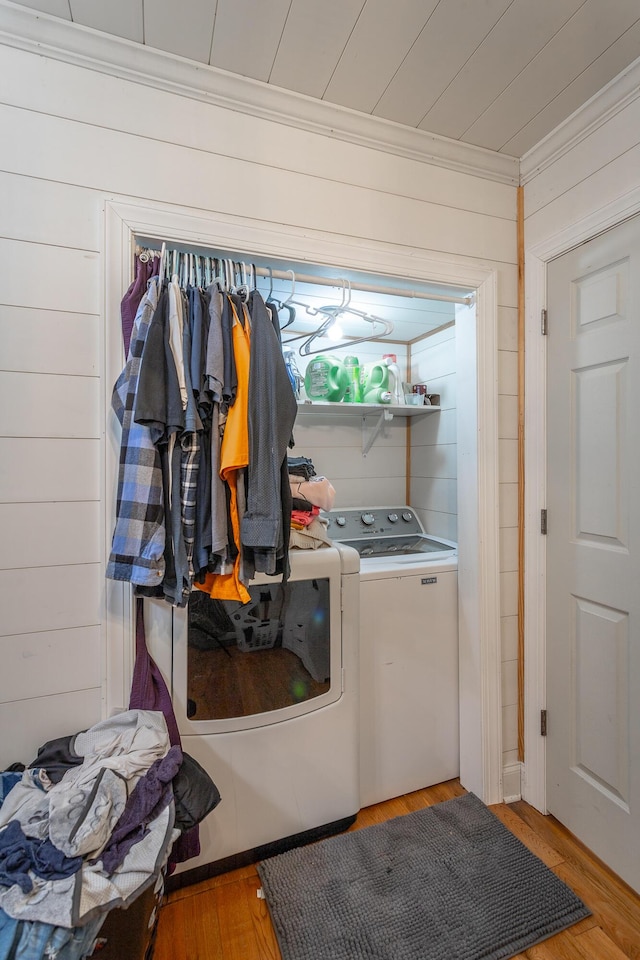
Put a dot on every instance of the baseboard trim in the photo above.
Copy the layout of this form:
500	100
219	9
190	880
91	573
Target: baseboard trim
512	782
208	870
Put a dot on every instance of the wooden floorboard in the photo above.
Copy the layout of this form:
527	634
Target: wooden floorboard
224	919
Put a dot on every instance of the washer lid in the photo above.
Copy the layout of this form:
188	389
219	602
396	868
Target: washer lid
386	533
401	547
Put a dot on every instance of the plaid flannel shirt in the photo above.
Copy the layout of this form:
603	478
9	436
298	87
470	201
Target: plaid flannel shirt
137	551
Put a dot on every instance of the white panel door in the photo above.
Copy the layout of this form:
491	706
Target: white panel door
593	546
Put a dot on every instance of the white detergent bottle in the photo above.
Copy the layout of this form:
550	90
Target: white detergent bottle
395	386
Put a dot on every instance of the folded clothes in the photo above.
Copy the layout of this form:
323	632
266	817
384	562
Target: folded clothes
299	503
311	537
302	518
301	467
317	490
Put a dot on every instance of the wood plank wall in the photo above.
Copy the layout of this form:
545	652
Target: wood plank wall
73	137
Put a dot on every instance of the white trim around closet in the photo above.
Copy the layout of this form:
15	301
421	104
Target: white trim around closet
481	715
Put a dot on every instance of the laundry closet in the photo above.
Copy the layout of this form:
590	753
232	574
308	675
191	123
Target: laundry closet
314	194
282	693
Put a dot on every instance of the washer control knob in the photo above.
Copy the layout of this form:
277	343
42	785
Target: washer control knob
341	521
407	516
368	519
393	518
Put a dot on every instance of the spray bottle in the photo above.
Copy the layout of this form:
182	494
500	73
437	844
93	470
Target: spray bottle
295	378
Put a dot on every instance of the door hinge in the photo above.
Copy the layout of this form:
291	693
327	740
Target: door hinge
543	723
543	322
543	521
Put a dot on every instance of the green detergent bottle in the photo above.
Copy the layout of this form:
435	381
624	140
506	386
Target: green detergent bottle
376	386
326	379
353	393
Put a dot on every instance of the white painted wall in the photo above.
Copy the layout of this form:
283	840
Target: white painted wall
74	137
433	480
335	442
582	179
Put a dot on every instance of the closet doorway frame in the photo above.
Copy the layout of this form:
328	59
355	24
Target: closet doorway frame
477	441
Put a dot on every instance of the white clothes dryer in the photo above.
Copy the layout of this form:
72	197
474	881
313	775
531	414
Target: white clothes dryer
266	699
409	701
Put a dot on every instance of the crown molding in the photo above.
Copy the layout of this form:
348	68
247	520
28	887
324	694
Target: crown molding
605	104
73	43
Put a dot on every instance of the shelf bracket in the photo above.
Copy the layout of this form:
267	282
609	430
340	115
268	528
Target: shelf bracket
367	443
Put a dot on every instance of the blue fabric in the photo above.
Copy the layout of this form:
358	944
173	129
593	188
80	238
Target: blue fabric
9	934
22	940
20	854
7	782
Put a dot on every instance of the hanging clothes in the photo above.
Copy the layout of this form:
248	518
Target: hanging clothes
234	455
214	379
207	411
271	416
144	270
138	546
158	406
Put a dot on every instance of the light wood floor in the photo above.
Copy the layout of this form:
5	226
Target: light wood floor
223	919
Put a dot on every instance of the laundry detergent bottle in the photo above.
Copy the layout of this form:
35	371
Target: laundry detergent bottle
376	387
353	393
326	379
395	383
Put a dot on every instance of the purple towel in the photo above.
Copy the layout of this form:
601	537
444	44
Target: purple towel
149	692
148	798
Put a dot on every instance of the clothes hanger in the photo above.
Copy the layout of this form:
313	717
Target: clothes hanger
288	303
270	300
332	312
219	274
228	270
243	289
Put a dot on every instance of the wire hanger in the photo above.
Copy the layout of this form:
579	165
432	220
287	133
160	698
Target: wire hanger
381	328
288	303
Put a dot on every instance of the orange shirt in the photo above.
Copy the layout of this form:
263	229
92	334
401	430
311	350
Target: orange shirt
234	456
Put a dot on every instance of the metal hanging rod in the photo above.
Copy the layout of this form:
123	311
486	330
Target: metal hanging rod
365	287
336	282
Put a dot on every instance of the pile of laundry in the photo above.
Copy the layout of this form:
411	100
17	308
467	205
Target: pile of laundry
309	494
87	827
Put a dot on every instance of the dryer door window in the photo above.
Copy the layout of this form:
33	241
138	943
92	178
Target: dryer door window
271	653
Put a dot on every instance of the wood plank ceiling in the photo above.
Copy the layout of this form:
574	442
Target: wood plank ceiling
500	74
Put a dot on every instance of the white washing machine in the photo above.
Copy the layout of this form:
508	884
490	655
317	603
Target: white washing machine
409	728
266	699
